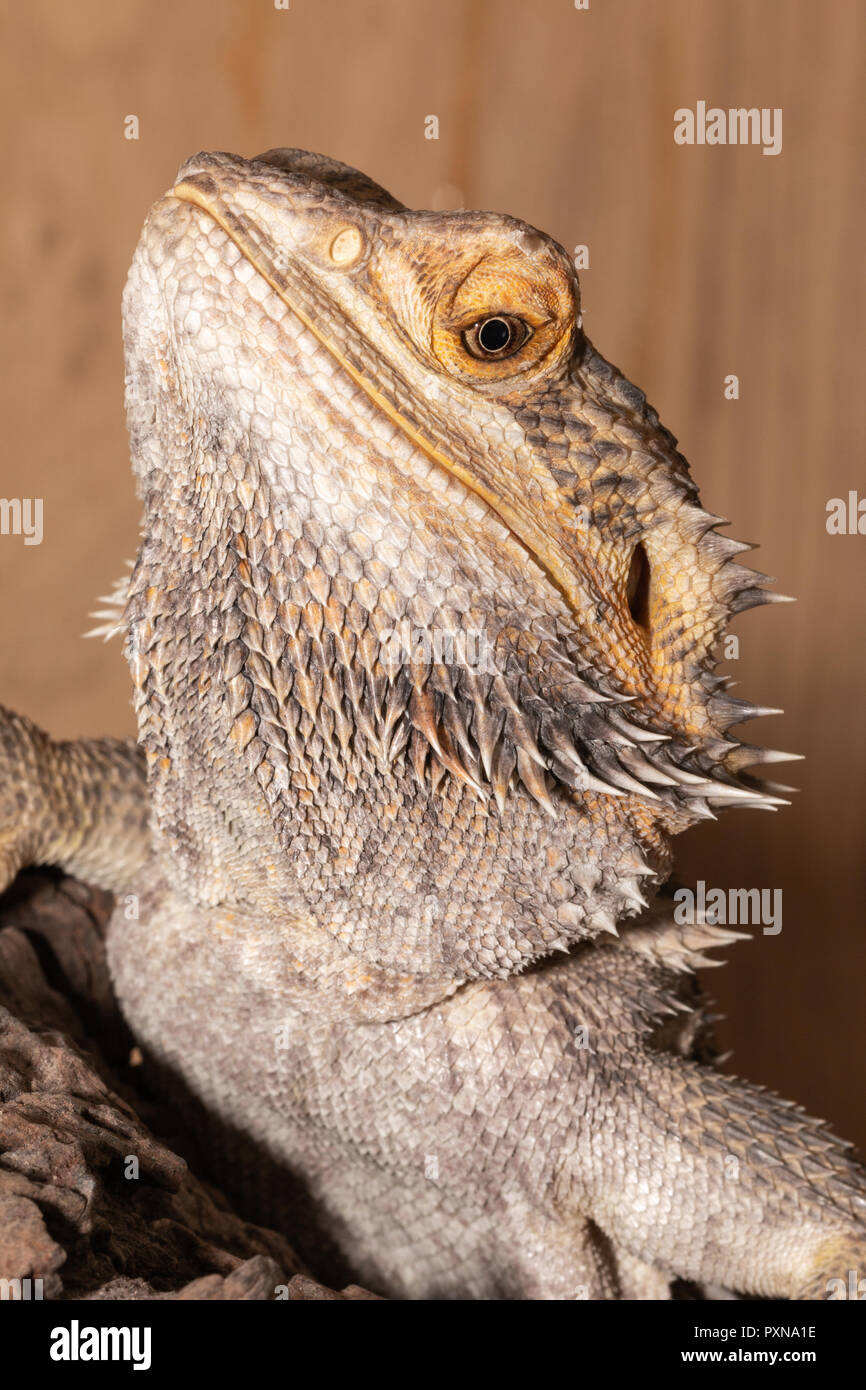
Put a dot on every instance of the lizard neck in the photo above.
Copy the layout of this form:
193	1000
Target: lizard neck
307	786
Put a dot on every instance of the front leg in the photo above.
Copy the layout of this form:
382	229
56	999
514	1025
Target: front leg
706	1177
721	1183
78	804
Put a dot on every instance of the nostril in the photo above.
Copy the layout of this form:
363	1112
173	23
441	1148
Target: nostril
638	587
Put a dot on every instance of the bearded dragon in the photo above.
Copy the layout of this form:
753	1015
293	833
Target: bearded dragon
389	912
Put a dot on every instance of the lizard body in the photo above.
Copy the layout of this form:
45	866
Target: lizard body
377	891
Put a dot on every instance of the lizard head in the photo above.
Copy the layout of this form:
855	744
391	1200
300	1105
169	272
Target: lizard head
457	542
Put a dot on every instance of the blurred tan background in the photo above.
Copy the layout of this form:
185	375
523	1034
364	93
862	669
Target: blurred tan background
703	262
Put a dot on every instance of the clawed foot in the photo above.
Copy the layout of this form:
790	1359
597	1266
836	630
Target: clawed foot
839	1272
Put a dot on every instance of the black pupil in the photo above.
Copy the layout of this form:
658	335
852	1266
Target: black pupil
494	335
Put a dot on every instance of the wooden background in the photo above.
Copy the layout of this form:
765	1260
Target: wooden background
704	261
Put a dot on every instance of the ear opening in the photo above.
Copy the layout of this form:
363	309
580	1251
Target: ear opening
638	588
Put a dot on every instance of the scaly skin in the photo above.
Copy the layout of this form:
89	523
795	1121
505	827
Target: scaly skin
359	864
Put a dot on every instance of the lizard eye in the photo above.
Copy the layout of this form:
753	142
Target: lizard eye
499	335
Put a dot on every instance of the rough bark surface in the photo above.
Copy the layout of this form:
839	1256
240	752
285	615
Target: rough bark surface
75	1124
